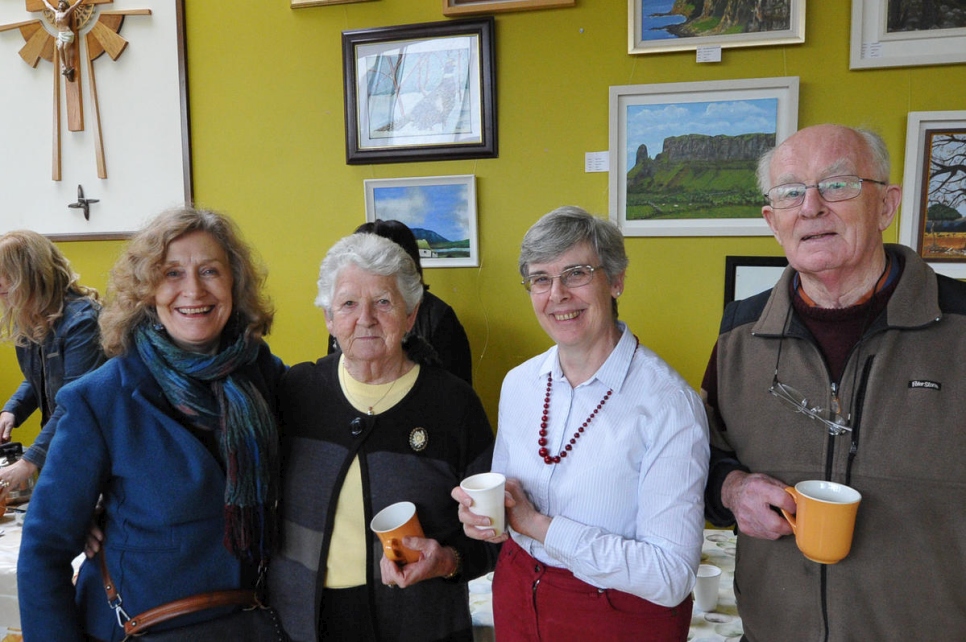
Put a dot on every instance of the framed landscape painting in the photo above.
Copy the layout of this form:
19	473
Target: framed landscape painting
440	210
933	216
655	26
901	33
683	155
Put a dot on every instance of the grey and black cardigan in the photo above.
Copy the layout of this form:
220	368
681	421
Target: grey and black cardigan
319	445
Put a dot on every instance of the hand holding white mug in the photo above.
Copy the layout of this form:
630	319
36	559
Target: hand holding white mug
476	526
488	492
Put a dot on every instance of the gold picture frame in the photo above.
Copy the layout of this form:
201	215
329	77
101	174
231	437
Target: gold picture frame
476	7
300	4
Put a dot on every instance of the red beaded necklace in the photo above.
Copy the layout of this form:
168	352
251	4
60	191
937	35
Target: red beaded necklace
544	422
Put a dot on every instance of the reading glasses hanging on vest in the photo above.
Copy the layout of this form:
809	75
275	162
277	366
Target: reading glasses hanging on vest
835	422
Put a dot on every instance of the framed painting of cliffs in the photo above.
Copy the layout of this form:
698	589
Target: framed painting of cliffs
683	156
655	26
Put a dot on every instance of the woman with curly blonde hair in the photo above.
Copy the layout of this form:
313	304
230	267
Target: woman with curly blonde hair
176	435
138	273
52	320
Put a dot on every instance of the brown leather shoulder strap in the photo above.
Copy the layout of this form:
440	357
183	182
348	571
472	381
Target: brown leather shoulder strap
200	602
141	623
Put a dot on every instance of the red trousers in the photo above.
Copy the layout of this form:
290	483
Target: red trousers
533	602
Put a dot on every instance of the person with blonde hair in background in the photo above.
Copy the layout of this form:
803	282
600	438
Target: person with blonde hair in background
52	320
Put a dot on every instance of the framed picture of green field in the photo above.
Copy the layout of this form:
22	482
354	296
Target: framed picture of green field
657	26
683	156
440	210
932	220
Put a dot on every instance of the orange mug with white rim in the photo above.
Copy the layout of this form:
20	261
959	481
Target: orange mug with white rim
824	520
392	524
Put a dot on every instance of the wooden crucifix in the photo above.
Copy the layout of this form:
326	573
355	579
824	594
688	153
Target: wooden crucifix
55	38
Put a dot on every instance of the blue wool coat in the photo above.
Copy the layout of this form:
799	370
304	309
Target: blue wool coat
163	506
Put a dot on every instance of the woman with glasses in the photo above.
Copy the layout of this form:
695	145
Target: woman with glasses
376	424
605	451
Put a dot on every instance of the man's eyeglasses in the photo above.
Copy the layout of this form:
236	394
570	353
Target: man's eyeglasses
832	189
573	277
831	419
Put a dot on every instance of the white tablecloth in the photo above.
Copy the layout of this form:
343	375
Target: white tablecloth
9	549
720	625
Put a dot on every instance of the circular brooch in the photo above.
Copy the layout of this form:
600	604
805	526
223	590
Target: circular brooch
418	439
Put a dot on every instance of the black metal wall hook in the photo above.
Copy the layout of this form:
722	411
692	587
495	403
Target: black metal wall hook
83	203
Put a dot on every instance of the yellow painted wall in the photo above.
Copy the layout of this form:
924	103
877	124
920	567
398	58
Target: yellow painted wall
268	147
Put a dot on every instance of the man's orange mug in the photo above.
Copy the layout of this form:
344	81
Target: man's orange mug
824	519
392	524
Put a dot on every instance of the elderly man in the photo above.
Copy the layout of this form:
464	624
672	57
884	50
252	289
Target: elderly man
875	342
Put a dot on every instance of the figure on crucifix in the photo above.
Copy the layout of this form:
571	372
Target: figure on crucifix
64	23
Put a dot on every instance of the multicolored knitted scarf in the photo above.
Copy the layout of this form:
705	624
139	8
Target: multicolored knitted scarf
212	395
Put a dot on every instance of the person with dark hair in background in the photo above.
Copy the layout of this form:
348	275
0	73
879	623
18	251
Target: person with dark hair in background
436	322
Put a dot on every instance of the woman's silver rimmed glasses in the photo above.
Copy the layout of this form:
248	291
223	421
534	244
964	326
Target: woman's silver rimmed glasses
832	189
832	419
572	277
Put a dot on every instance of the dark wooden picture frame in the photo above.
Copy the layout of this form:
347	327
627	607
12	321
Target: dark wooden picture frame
420	92
748	275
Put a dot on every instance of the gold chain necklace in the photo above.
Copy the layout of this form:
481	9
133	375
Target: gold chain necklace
354	402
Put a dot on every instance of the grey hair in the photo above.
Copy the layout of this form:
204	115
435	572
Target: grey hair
565	227
374	254
875	146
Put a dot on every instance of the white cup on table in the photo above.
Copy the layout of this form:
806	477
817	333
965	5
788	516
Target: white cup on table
706	587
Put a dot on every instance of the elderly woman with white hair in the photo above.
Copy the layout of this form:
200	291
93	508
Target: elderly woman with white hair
362	430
